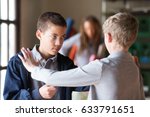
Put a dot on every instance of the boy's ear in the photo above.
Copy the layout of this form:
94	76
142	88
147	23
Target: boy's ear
38	34
132	37
109	37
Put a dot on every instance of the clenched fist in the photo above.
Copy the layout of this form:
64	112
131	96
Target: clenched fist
47	91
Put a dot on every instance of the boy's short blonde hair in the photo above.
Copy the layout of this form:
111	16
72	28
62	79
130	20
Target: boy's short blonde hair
123	27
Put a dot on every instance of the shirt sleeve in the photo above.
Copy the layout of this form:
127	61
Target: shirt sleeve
82	76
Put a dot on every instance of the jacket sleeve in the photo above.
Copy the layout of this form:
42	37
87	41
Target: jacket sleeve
16	85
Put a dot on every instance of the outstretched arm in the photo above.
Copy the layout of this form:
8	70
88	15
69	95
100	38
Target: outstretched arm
82	76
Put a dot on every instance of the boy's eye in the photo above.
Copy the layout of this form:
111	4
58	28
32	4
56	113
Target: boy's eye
64	36
54	37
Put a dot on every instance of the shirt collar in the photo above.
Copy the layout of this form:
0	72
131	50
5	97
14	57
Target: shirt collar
120	54
38	56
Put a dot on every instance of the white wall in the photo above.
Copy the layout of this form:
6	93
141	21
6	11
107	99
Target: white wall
77	9
31	9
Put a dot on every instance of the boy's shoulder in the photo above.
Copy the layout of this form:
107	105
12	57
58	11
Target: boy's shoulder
105	60
15	64
15	59
63	58
65	62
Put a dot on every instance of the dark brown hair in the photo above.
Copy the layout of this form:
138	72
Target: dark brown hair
50	17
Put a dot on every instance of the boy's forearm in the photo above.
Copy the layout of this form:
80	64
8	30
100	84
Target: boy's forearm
72	78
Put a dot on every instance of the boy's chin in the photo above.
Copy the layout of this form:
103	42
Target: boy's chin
54	53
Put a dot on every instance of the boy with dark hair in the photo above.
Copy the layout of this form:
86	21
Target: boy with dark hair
19	85
115	77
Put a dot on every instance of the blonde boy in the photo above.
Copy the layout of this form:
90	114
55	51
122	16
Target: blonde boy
114	77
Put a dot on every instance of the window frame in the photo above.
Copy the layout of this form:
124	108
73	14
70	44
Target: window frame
16	22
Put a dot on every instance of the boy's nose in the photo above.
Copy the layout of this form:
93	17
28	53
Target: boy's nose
58	42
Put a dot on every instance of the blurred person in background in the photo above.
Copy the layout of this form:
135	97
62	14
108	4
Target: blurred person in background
87	44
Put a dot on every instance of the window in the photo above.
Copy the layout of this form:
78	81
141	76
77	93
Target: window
9	25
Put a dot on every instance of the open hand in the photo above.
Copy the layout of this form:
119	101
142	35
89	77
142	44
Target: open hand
27	59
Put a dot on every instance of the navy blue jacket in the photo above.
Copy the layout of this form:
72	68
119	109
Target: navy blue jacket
18	81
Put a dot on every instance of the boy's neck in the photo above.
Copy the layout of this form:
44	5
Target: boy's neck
116	49
44	54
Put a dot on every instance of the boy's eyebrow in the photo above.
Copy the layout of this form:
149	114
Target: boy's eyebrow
54	34
64	35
